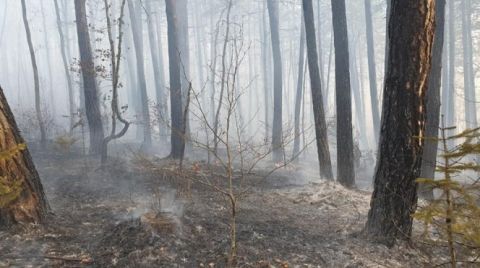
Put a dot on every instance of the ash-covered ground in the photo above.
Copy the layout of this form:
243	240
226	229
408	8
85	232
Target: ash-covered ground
122	216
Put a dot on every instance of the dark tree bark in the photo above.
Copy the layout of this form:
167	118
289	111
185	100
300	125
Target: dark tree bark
277	133
22	199
299	94
63	47
394	199
372	70
345	161
38	109
469	74
432	120
178	134
320	50
137	32
316	87
92	106
184	50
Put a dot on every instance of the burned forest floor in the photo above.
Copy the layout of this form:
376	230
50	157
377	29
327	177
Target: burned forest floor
123	216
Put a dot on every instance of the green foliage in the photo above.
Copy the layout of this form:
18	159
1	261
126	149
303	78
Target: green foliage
10	190
453	219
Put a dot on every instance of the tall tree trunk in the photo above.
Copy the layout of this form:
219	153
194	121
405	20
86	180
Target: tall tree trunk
345	161
22	199
432	120
38	110
48	62
277	133
137	32
164	105
372	70
71	102
266	73
157	72
316	87
299	94
177	139
450	95
184	49
469	74
320	50
394	197
92	106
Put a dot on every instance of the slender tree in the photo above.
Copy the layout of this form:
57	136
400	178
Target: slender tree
372	70
137	32
345	161
449	95
277	133
224	76
316	87
115	60
468	70
299	93
432	120
158	75
92	106
22	199
66	68
38	109
178	134
394	199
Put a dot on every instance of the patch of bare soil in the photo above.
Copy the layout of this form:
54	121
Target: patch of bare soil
120	217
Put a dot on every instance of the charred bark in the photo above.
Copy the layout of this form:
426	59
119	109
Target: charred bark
92	106
178	134
316	87
432	102
394	199
345	161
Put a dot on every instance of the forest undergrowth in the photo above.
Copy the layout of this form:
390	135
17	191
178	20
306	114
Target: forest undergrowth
124	216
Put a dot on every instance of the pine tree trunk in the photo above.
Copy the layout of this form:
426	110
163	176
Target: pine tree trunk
345	161
92	105
317	99
157	71
177	139
277	134
24	200
266	73
469	74
450	94
38	110
299	93
432	120
372	70
71	102
137	32
394	199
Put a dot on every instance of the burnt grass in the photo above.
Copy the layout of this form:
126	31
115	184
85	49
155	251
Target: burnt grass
122	216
